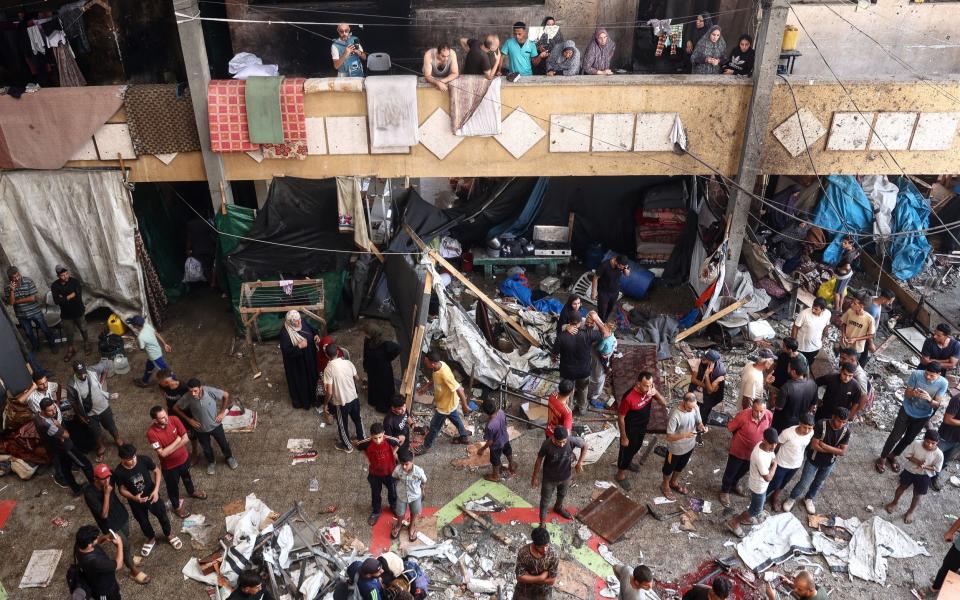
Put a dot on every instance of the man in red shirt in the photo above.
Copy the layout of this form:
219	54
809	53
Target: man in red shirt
558	409
168	437
381	452
747	429
633	417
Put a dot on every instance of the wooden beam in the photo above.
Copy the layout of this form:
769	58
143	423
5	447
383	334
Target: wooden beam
714	317
407	385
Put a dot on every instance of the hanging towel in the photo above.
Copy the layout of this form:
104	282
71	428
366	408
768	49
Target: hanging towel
161	121
294	121
263	110
69	72
475	106
351	213
392	110
37	42
227	107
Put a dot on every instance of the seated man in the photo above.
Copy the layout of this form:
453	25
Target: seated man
440	66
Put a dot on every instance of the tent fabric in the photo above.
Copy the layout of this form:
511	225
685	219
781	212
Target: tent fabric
774	541
42	130
875	541
843	207
911	213
13	370
82	219
524	221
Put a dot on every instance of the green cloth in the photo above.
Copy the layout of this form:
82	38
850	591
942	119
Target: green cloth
263	110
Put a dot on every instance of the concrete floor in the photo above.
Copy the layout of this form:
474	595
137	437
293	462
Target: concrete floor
200	330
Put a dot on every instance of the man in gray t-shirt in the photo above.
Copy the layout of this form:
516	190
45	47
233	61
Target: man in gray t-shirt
682	428
208	405
636	583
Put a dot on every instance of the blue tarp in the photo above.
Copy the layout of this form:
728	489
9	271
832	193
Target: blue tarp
843	207
515	286
911	213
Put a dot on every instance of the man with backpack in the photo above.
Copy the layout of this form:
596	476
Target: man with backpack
92	405
94	571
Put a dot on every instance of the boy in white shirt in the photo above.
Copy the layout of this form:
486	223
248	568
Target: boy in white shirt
793	443
924	461
763	466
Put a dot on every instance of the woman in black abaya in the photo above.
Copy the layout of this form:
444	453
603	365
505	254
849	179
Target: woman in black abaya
298	345
378	356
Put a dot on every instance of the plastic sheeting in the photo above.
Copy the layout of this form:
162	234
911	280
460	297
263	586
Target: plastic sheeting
911	213
82	219
774	541
883	195
843	207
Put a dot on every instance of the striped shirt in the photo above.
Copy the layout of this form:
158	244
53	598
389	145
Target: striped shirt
26	288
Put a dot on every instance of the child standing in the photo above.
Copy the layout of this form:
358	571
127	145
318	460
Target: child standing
379	450
497	440
410	481
601	366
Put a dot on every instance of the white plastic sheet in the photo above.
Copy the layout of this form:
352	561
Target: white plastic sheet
874	542
883	196
774	541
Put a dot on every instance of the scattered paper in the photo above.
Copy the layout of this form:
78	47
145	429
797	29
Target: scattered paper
299	445
603	485
707	507
608	556
662	500
41	568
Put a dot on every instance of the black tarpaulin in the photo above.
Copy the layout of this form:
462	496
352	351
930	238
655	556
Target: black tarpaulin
13	371
502	203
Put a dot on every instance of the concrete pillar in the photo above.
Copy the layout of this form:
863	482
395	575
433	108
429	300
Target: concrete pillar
769	42
262	188
198	77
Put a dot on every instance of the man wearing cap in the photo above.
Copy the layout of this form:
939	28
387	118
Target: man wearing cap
793	443
366	578
942	348
926	391
709	379
168	438
754	377
537	567
556	459
66	457
840	389
747	429
110	515
763	467
92	404
808	329
208	405
857	328
68	295
21	293
150	342
924	461
797	396
788	351
830	439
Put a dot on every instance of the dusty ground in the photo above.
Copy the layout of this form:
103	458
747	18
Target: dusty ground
200	329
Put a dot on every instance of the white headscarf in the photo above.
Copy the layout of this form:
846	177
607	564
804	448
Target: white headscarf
291	318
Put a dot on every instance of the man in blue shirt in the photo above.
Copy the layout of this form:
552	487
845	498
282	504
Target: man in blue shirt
926	391
521	52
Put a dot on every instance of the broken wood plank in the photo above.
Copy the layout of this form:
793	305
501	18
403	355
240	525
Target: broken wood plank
503	539
714	317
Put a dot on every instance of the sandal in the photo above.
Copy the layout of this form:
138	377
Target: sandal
894	465
199	495
668	495
141	578
412	534
679	488
395	530
880	466
147	548
176	543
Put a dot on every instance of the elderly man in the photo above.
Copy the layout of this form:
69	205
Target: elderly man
926	391
747	429
803	587
755	376
347	53
521	52
208	405
440	66
482	56
21	293
68	295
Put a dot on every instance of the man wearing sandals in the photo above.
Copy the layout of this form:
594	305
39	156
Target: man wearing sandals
446	390
926	391
92	405
924	461
380	451
138	480
68	295
168	437
556	458
111	516
763	466
682	428
410	480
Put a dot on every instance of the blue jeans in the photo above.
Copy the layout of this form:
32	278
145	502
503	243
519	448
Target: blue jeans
26	323
811	480
151	365
781	478
950	450
756	503
437	422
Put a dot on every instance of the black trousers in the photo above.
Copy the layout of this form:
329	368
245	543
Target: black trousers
221	437
733	473
172	477
142	512
377	482
69	459
951	562
905	429
605	304
635	436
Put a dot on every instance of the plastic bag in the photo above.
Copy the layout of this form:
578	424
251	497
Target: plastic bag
193	271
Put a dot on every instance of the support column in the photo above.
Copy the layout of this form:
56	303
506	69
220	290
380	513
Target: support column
198	77
769	43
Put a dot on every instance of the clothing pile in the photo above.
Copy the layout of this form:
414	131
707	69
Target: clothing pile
660	221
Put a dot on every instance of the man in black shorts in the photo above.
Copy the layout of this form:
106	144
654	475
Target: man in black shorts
924	461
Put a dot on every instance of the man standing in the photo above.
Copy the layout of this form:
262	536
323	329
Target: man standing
340	389
633	416
926	391
556	458
138	480
150	342
558	408
446	391
111	516
521	53
49	425
635	583
380	454
763	466
949	437
209	406
68	295
482	56
755	376
951	562
857	328
875	305
168	437
440	66
793	443
942	348
796	398
605	286
99	570
574	347
537	568
830	439
347	53
850	357
683	428
747	429
840	390
21	294
788	352
396	423
497	439
808	329
173	390
709	377
93	405
924	461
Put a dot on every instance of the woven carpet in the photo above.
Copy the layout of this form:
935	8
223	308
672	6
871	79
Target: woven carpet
160	122
227	106
624	371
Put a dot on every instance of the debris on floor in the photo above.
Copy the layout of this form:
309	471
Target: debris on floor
41	568
612	514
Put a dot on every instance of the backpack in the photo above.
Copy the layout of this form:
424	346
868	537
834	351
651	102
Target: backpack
77	583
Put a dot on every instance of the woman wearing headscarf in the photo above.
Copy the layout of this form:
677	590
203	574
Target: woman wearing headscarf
378	356
698	28
564	60
297	346
546	43
599	54
571	307
741	58
709	53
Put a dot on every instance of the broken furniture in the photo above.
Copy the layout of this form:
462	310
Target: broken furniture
612	514
490	263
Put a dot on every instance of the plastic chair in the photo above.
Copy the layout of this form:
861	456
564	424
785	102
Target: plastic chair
379	63
51	314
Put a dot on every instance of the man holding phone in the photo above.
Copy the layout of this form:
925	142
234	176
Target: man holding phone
347	53
111	517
